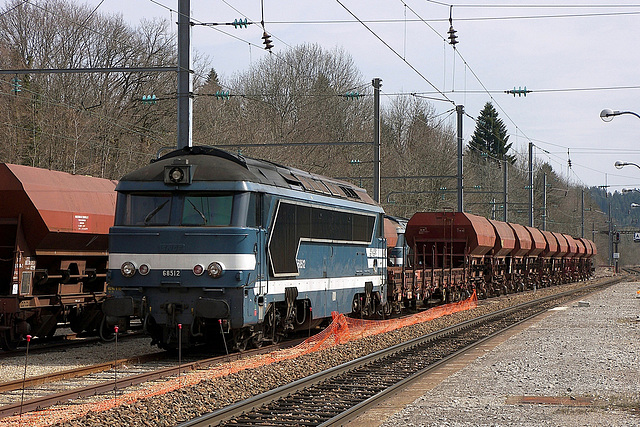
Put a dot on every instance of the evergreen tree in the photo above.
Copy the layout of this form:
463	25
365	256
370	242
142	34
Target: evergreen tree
490	136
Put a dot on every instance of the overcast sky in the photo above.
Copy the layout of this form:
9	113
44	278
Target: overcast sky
577	58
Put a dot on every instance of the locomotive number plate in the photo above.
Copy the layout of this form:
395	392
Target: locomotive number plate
171	273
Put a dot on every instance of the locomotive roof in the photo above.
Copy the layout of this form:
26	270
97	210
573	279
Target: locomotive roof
213	164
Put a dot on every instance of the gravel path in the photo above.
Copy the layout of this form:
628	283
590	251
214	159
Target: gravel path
582	352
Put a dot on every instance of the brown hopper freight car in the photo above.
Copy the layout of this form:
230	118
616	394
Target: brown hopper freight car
53	250
451	254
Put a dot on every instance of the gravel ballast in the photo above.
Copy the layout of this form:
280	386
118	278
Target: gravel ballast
588	352
72	358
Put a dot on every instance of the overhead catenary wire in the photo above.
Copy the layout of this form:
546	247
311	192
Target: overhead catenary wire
422	76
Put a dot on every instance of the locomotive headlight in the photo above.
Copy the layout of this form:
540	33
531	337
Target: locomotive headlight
143	269
176	175
198	270
128	269
215	269
179	173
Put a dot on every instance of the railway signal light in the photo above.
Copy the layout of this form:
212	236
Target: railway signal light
266	39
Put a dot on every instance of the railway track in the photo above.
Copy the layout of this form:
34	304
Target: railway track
60	342
635	270
51	389
339	394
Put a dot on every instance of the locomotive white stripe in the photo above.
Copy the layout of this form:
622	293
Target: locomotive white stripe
325	284
184	261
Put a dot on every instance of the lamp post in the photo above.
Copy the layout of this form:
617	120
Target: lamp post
608	114
620	164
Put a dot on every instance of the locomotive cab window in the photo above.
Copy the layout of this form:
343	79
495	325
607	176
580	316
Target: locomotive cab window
208	210
189	209
143	209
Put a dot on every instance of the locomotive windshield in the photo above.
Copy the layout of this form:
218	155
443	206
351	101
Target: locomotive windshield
186	209
207	210
144	209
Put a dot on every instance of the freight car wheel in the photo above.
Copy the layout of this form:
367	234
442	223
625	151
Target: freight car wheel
52	331
74	321
387	309
9	341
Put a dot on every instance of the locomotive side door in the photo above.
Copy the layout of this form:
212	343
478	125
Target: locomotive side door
262	269
382	258
262	277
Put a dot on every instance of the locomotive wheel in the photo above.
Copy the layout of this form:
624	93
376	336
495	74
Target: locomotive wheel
106	332
355	304
257	340
241	340
240	345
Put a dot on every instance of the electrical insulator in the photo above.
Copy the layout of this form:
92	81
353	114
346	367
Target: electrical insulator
240	23
518	91
452	36
16	85
267	41
220	94
149	99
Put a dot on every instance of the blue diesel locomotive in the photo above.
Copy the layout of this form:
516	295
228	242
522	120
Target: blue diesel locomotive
209	244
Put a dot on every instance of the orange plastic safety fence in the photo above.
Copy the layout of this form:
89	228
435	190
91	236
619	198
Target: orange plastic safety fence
341	330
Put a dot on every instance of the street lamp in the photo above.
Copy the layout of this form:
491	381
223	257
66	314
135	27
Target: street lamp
619	164
608	114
